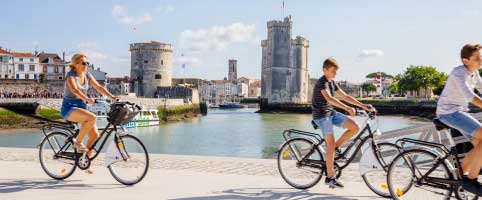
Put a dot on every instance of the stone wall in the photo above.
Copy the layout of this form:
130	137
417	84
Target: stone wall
51	103
148	103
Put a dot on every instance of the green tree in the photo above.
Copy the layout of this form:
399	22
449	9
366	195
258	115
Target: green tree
374	74
394	89
368	87
421	77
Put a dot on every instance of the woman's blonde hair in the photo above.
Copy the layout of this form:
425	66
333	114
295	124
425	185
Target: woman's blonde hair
76	58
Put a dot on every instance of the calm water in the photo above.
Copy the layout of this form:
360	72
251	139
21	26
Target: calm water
237	133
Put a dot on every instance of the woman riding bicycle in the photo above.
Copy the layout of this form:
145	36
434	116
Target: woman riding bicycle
75	101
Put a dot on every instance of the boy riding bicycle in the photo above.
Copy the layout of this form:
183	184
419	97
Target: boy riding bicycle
325	116
452	110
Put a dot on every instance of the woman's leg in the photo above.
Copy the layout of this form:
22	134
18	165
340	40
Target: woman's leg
93	136
85	118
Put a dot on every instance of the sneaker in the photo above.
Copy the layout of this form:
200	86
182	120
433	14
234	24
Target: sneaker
333	183
472	186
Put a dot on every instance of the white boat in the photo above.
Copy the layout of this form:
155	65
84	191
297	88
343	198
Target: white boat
144	118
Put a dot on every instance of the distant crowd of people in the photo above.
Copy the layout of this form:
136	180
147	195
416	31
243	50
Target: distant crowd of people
35	91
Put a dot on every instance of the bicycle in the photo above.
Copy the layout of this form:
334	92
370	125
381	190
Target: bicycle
301	163
428	170
126	156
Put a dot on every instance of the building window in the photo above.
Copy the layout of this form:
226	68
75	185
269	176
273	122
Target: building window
60	78
145	61
50	69
27	76
1	58
158	76
31	59
21	68
31	68
162	62
6	76
20	59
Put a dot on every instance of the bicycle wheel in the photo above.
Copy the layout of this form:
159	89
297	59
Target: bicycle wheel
133	168
406	170
376	180
58	165
461	194
294	170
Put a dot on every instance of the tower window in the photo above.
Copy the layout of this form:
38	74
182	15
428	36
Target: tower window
145	61
158	76
162	62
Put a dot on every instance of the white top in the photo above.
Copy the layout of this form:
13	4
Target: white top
458	91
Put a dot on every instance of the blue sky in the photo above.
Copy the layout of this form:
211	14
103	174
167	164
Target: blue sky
364	36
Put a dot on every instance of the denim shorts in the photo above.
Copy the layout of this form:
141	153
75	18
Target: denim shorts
68	105
463	122
326	123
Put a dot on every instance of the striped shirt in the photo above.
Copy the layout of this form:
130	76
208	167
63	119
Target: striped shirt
321	108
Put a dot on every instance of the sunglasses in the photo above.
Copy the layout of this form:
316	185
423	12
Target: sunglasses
85	63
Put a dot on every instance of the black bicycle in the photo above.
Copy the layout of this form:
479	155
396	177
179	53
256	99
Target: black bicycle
301	159
427	170
126	156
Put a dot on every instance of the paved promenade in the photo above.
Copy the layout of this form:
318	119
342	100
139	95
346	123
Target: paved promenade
169	177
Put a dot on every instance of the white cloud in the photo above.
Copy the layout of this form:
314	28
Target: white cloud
217	37
367	54
120	14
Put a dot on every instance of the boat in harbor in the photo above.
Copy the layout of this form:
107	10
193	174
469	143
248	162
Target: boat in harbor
230	105
145	117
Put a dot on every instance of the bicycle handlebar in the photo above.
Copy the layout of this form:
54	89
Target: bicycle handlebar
118	102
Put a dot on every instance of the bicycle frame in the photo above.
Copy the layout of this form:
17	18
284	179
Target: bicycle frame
318	140
434	181
107	131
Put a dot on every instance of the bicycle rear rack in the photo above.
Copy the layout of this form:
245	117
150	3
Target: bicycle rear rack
423	143
293	133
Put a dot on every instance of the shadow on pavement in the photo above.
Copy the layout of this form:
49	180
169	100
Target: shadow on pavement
271	194
11	185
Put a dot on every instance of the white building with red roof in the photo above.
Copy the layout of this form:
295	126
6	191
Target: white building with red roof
26	65
7	70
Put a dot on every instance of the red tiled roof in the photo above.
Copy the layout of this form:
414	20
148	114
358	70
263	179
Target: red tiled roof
3	51
20	54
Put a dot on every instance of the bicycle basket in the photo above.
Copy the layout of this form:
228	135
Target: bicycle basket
122	112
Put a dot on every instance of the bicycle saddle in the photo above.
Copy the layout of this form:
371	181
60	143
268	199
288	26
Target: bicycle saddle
439	125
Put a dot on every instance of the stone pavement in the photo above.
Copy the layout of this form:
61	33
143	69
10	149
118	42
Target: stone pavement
169	177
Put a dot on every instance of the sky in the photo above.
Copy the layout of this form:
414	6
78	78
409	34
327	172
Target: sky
364	36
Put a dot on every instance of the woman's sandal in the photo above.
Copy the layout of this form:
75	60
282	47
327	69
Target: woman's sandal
91	153
80	147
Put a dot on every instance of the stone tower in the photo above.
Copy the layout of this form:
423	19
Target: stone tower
233	70
300	80
151	67
284	73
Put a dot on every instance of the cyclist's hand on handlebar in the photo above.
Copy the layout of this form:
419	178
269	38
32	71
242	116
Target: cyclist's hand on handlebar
368	108
371	108
90	101
351	111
